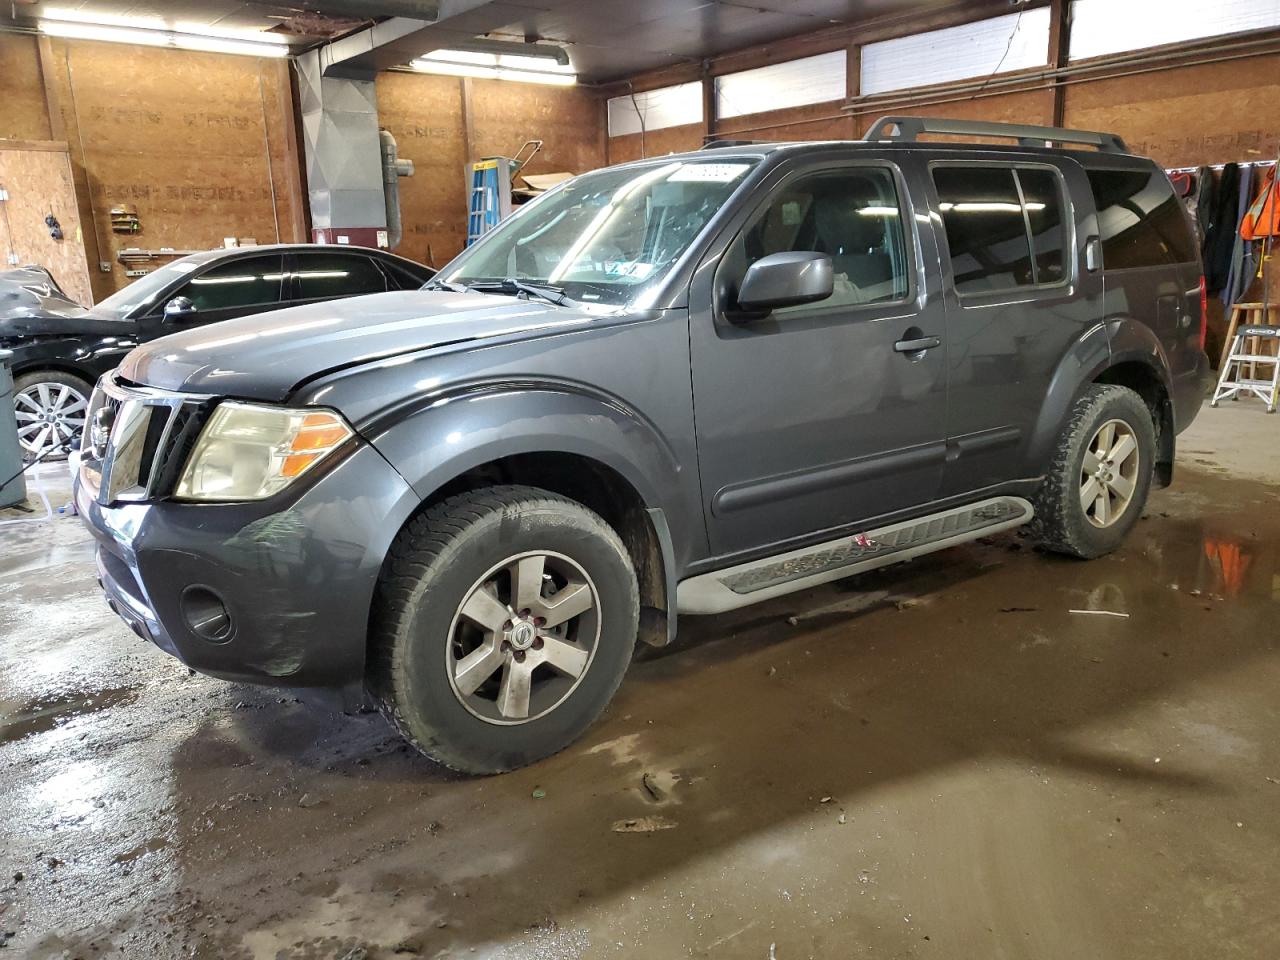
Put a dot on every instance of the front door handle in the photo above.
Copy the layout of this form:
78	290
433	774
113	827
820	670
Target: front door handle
917	345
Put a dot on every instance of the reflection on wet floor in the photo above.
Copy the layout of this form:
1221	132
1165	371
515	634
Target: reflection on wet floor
937	759
45	713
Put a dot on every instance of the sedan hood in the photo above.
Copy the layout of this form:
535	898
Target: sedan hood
264	357
33	305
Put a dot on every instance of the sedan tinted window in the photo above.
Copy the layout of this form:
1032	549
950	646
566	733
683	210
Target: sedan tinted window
327	275
245	282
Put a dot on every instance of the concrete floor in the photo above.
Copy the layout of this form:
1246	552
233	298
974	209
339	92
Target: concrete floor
939	760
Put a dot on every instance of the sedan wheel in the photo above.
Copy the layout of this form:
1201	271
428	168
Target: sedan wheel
50	417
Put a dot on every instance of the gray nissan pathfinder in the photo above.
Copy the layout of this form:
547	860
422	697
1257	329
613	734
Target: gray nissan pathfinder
677	386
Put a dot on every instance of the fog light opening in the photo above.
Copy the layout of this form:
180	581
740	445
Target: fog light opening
206	615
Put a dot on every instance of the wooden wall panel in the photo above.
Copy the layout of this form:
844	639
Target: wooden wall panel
1214	113
424	113
39	182
183	137
24	114
656	143
818	121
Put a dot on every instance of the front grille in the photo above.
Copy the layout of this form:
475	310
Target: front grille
136	439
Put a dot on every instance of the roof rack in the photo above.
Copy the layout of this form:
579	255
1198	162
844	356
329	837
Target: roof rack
721	144
909	129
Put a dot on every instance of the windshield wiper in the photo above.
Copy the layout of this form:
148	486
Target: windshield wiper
435	283
531	288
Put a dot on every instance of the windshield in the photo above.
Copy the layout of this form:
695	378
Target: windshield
145	289
605	237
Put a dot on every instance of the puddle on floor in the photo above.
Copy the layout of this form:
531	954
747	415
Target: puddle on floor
46	713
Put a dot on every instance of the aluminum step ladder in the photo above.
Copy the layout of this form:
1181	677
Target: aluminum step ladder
1240	372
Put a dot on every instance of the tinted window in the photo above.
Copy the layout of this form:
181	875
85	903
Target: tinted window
326	275
1139	219
246	282
854	216
1042	191
986	232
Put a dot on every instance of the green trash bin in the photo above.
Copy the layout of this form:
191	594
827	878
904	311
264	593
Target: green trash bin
15	491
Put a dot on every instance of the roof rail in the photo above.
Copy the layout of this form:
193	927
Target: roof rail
909	129
721	144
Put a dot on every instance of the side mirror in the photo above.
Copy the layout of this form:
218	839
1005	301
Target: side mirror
785	280
179	307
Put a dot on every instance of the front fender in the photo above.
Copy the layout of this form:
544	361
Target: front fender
456	432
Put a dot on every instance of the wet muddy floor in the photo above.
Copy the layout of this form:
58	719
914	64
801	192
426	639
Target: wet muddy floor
937	760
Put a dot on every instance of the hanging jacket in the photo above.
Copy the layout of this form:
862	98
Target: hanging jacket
1220	234
1238	277
1262	219
1203	211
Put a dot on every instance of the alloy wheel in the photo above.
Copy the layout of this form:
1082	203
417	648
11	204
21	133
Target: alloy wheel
523	638
1109	473
50	417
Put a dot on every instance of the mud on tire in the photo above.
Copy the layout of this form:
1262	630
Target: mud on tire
1063	521
421	635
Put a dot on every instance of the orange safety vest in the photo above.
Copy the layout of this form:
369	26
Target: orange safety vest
1263	218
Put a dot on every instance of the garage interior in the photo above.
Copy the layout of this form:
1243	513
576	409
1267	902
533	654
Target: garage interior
991	751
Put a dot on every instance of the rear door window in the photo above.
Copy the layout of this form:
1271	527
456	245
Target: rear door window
1005	226
1140	220
324	276
244	282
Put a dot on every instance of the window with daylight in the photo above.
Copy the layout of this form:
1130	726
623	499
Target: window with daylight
665	107
795	83
1102	27
1015	41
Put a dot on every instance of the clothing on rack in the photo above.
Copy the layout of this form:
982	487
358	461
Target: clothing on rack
1200	203
1263	217
1220	232
1238	276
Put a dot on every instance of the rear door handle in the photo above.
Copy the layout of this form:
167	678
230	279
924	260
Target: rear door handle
918	345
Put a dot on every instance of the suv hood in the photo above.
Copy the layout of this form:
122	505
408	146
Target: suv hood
264	357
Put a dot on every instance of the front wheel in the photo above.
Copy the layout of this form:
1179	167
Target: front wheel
504	623
1097	485
51	407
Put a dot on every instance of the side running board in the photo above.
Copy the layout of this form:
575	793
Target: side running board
800	569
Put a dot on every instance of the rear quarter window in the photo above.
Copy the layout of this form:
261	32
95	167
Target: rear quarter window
1140	220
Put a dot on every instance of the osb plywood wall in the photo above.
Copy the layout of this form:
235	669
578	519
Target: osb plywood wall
37	179
442	123
23	113
1214	113
201	144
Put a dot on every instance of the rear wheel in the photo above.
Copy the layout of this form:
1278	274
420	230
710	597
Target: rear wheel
1098	482
50	406
505	621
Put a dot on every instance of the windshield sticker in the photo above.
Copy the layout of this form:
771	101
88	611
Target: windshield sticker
632	269
709	172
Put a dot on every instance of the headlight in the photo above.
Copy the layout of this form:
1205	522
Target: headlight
248	452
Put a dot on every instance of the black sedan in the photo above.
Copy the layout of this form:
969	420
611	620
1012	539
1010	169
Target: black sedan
60	348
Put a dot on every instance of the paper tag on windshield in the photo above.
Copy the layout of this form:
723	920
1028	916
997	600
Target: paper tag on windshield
709	172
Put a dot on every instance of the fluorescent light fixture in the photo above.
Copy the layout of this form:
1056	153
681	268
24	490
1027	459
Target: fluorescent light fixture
496	66
155	32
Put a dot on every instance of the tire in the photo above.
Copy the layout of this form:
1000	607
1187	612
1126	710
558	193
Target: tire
1063	522
457	559
64	396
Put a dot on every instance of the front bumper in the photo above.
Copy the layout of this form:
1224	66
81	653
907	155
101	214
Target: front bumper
296	576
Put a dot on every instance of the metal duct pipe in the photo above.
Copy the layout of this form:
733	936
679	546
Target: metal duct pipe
393	168
428	10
